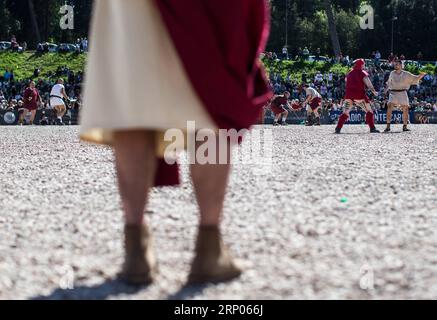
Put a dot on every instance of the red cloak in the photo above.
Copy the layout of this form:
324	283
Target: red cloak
31	97
219	43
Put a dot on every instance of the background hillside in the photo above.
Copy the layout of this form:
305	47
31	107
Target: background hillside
24	64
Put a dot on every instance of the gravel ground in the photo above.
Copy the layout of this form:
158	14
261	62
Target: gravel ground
336	217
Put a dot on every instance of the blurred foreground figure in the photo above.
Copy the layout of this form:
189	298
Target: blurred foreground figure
153	66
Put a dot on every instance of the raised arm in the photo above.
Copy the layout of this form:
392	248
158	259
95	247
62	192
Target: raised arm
415	80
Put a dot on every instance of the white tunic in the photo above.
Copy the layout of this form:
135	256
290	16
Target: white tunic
311	92
401	81
135	79
56	95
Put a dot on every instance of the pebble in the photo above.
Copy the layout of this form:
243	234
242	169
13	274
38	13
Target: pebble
61	222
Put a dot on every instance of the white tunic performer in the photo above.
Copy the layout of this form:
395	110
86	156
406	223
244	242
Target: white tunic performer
398	85
56	95
56	100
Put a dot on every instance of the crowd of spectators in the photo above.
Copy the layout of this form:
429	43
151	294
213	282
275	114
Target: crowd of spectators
330	85
11	90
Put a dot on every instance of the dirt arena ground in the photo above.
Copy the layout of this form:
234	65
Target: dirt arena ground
350	216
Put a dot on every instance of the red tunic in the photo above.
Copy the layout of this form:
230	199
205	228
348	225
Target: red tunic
278	104
219	43
355	86
316	103
31	98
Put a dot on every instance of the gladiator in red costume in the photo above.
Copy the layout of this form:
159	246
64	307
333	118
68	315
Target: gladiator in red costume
314	103
31	99
278	105
356	83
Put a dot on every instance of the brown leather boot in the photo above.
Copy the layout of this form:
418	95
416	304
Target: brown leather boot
213	262
140	265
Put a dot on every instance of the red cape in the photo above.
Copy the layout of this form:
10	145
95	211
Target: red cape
219	43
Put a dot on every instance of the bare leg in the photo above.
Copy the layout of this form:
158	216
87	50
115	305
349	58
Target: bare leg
277	117
406	115
210	182
389	114
309	120
62	111
32	117
136	166
317	116
212	262
22	115
284	117
57	111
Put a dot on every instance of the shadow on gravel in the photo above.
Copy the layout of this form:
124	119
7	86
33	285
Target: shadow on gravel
110	288
351	134
361	133
113	288
187	292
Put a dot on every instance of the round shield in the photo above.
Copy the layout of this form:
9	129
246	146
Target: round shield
9	117
27	117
